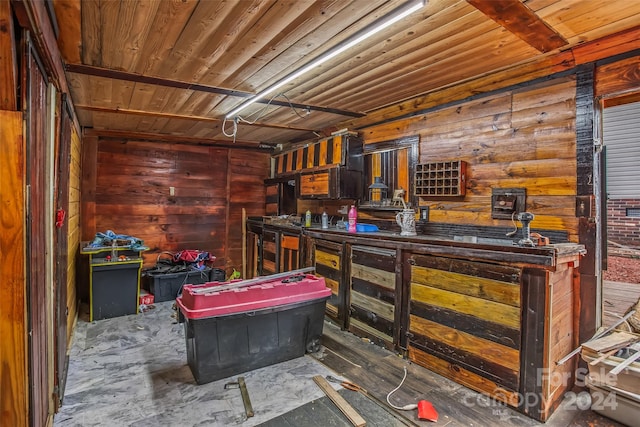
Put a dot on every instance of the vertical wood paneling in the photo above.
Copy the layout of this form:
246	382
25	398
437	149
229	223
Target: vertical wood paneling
89	166
38	287
8	60
322	152
337	149
73	218
61	237
13	329
247	172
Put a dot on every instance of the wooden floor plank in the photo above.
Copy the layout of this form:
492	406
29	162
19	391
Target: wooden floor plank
381	371
323	413
353	415
617	299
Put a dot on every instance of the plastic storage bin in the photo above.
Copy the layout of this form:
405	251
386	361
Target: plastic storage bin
167	286
232	331
614	403
114	289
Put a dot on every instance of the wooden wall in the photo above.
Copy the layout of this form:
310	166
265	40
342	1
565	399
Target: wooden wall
618	77
518	138
132	193
73	218
247	172
14	396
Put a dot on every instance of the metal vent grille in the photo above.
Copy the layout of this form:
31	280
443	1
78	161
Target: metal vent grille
633	212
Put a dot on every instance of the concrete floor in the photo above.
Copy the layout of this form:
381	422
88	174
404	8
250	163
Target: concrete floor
132	371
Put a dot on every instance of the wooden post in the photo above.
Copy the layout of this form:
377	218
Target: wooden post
244	243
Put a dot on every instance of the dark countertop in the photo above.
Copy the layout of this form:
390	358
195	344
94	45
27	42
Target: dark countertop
467	246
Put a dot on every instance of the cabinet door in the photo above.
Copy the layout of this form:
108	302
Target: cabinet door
327	257
272	199
289	252
334	183
316	185
465	322
269	253
373	294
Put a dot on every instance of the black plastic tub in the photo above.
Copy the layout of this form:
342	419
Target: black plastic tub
230	329
167	286
223	346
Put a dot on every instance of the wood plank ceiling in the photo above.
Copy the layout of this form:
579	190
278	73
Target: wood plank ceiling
174	68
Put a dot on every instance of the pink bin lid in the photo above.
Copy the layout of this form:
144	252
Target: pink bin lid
249	298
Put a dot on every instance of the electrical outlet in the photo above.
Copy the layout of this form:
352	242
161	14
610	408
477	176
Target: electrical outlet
172	191
424	213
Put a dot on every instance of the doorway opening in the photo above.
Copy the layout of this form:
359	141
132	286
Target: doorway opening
620	205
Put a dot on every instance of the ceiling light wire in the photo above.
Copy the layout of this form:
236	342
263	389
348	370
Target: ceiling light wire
294	108
377	26
235	129
260	113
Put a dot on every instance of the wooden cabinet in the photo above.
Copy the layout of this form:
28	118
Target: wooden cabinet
498	328
280	195
337	150
327	258
374	295
334	183
494	318
271	250
330	168
466	315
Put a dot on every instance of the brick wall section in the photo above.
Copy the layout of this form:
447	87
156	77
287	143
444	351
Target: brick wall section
621	228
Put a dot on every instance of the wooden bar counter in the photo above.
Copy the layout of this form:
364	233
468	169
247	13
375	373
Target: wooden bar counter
490	315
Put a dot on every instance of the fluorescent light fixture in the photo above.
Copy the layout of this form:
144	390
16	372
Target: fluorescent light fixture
377	26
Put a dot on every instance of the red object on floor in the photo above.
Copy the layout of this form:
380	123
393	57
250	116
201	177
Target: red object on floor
253	297
426	411
146	298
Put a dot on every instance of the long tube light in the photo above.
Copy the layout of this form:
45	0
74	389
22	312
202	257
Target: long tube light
377	26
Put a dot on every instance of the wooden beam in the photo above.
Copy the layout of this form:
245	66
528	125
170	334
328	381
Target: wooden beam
32	14
348	411
70	20
181	116
177	139
90	70
516	17
8	66
605	47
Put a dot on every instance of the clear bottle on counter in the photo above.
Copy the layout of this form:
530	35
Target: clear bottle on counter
353	219
325	220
